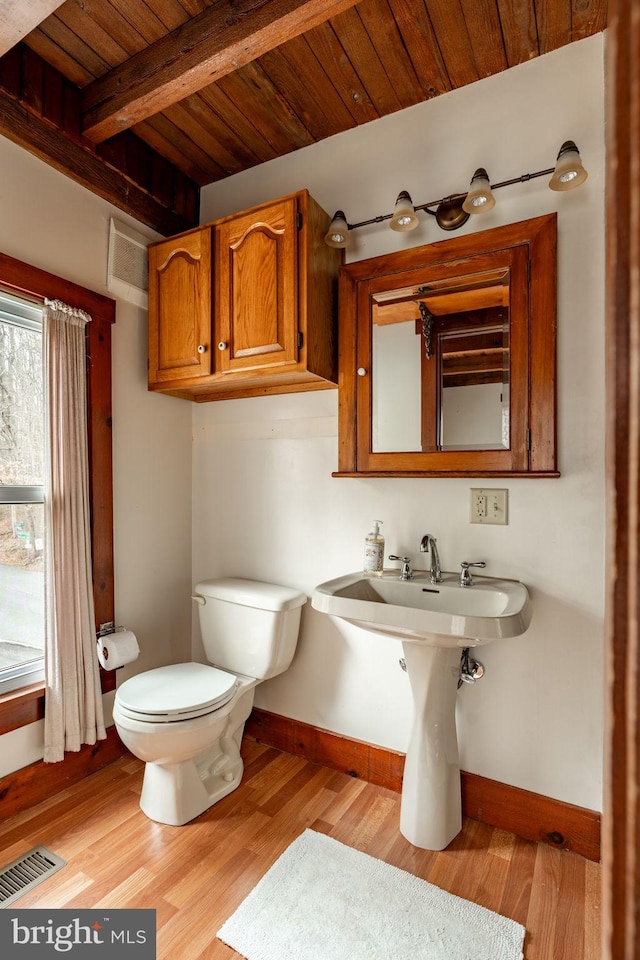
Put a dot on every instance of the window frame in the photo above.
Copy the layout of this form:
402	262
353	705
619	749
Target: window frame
26	705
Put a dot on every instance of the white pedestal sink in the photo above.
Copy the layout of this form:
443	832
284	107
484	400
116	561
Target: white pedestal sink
434	621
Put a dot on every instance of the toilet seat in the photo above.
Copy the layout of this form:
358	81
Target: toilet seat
181	691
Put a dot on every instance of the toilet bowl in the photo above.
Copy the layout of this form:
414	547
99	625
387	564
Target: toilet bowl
186	720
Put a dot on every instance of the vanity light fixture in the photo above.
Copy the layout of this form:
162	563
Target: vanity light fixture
452	212
404	216
569	172
338	233
480	197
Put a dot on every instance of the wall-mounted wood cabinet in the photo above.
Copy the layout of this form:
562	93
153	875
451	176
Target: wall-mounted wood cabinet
246	305
180	308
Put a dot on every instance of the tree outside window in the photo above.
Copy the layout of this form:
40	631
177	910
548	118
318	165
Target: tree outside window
21	493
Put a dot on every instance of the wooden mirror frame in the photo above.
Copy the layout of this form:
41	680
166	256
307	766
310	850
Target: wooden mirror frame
529	250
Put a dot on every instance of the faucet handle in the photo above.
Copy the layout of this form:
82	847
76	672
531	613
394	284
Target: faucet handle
465	577
406	573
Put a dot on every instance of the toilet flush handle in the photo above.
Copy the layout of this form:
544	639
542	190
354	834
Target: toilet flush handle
199	599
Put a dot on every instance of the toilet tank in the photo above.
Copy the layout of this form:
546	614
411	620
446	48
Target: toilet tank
249	627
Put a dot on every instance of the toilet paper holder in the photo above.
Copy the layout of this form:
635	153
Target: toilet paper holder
115	646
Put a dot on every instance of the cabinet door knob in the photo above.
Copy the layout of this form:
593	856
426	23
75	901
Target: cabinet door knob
202	348
362	372
222	345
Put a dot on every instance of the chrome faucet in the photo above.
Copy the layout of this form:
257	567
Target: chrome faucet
428	545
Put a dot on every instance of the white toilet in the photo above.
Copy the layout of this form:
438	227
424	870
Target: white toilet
186	720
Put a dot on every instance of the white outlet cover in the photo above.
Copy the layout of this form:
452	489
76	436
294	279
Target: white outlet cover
488	506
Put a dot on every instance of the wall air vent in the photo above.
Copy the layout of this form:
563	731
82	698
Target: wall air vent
27	872
127	265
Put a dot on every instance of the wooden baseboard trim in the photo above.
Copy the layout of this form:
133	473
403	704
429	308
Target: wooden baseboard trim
355	757
532	815
528	815
32	784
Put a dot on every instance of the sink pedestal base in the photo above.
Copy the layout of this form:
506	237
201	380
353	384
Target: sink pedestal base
431	808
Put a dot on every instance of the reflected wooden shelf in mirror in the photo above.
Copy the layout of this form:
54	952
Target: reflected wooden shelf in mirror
448	357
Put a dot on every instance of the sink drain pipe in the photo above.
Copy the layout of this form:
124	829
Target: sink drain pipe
470	670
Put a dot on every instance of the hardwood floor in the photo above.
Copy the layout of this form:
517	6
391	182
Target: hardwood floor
195	876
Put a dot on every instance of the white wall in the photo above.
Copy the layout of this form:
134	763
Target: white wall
474	416
396	407
50	222
265	504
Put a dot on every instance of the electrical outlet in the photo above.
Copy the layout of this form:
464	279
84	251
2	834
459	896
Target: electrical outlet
489	506
479	504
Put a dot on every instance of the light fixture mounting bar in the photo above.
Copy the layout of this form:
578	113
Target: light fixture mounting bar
436	203
523	178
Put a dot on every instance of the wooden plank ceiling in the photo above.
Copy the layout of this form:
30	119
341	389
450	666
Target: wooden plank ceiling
145	101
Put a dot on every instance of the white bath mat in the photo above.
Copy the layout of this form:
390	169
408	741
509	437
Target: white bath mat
322	900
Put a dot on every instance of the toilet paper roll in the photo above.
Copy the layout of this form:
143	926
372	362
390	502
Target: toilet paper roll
118	648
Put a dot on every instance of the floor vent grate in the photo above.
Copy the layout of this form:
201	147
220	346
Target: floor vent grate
26	872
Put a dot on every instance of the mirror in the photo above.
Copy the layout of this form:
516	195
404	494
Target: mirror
451	340
447	357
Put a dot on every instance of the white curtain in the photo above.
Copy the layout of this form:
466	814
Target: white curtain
73	700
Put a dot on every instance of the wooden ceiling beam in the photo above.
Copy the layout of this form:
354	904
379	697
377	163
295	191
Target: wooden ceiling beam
43	140
217	42
40	111
20	17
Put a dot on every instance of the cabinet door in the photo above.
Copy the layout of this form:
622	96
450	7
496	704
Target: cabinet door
180	307
257	289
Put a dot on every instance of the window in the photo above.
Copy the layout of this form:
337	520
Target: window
23	281
21	494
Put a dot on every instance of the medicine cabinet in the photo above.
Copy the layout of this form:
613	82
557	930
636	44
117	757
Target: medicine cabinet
448	357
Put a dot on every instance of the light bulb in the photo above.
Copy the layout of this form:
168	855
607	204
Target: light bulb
338	233
480	198
569	172
404	216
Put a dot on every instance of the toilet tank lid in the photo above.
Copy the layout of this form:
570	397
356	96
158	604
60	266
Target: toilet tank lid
252	593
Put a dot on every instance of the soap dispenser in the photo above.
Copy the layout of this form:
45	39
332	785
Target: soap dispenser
374	551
